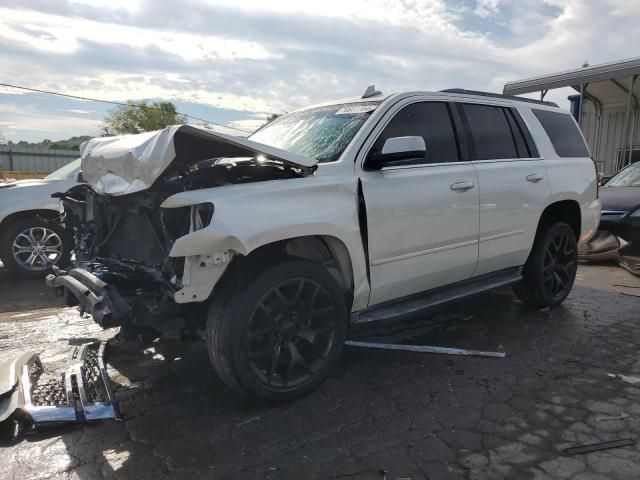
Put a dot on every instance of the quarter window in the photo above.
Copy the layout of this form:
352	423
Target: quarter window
429	120
491	133
518	136
563	133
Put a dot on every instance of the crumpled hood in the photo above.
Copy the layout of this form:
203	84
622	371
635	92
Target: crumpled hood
131	163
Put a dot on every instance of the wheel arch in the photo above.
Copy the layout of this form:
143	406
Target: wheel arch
45	214
567	211
326	250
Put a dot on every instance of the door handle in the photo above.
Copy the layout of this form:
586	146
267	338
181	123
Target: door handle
534	177
461	186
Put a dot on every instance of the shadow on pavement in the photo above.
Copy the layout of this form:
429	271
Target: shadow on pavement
25	295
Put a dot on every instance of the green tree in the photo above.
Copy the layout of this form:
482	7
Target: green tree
273	116
140	116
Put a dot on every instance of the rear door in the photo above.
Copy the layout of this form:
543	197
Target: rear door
422	216
512	180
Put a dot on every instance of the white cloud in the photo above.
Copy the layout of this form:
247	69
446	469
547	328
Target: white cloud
62	35
264	57
22	122
486	8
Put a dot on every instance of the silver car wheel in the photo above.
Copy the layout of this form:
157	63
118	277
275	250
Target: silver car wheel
37	248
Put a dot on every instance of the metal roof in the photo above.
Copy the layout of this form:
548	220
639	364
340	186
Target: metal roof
572	78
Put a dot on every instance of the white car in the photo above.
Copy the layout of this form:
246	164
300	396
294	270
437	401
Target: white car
31	237
354	211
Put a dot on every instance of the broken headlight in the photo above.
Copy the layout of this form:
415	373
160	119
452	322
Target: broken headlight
201	215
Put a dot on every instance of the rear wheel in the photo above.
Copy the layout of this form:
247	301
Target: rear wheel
551	269
30	246
278	336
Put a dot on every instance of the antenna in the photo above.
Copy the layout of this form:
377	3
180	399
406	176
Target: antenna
371	92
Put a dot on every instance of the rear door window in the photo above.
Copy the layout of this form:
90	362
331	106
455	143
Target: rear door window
563	132
490	132
429	120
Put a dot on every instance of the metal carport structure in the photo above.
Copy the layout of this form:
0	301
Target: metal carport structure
606	108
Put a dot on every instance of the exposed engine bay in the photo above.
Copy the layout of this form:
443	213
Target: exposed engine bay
122	242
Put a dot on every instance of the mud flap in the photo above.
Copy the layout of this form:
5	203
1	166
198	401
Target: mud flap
79	394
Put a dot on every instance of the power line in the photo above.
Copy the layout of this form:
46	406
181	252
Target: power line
122	104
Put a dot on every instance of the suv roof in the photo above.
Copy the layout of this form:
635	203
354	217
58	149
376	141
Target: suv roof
475	94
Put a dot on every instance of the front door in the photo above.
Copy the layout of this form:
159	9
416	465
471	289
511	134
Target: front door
422	216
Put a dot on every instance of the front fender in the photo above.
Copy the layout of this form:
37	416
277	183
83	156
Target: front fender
249	216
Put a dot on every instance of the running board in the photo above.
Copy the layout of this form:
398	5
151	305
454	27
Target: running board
414	304
79	394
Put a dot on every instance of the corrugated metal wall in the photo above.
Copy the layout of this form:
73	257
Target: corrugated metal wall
25	159
605	135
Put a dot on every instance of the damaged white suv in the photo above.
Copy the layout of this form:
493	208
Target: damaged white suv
354	211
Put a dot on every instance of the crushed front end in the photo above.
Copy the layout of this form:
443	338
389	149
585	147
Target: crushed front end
123	273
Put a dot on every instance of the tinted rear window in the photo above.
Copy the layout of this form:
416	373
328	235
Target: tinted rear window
563	133
490	132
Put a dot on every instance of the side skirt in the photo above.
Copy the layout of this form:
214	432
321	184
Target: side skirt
421	302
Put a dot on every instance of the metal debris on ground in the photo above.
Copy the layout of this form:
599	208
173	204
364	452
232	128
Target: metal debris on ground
594	447
425	349
632	290
622	416
79	394
625	378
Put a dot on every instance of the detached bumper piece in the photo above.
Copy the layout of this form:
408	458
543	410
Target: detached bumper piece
80	394
630	258
94	296
602	247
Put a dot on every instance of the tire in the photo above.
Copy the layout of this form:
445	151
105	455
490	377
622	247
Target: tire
26	231
550	271
278	336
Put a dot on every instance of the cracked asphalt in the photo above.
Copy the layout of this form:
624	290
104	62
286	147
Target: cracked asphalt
380	413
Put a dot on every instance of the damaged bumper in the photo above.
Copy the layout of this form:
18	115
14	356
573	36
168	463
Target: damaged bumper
81	393
94	296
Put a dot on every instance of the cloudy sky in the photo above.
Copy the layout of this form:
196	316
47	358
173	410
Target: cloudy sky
235	62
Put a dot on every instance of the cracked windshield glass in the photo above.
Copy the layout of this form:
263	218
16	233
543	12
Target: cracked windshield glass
319	133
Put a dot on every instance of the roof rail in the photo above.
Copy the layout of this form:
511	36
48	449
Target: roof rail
463	91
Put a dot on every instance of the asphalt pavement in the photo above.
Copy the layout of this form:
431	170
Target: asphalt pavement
381	414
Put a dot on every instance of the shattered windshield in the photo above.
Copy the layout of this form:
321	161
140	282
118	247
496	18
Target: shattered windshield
629	177
321	133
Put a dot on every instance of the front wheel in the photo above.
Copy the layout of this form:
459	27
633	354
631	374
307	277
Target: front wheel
550	271
278	336
30	246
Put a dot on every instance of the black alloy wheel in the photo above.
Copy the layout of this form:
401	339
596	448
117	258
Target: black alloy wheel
277	335
550	271
559	265
291	332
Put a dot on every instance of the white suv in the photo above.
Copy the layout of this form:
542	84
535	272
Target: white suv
353	211
31	238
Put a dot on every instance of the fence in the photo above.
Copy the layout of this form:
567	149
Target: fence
28	159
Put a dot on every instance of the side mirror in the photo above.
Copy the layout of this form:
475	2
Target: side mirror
604	180
397	149
79	177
